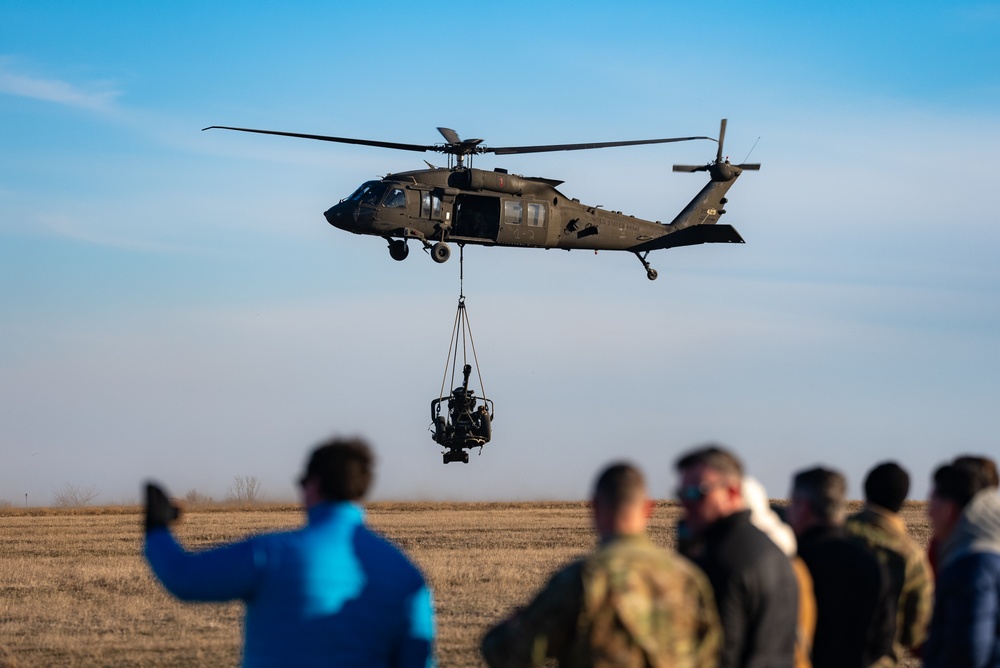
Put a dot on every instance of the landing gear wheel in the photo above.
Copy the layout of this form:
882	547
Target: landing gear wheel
398	250
650	272
440	252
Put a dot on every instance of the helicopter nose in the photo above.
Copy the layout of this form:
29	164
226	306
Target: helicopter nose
340	216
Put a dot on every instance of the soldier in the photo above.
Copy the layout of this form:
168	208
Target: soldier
627	604
911	582
330	593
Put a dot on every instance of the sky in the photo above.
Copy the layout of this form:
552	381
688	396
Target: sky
176	308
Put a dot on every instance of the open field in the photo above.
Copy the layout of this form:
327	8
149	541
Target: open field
75	591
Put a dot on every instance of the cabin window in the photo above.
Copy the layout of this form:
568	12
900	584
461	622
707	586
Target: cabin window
536	215
512	212
430	206
396	199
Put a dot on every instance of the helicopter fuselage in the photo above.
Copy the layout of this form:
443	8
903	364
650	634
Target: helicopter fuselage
494	208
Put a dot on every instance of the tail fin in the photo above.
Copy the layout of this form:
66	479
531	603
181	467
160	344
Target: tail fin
694	224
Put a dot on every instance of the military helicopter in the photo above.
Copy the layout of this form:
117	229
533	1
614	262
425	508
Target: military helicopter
464	205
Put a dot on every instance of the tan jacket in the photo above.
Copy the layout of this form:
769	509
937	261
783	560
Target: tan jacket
909	571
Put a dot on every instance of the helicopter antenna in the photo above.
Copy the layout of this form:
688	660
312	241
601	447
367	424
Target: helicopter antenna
751	150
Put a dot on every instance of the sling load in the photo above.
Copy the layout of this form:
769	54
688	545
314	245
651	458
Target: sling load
460	420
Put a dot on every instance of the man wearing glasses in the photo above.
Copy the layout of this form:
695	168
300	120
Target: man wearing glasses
755	586
330	593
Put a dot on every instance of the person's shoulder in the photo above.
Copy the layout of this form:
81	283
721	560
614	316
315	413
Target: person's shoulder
882	531
640	555
973	565
745	547
375	543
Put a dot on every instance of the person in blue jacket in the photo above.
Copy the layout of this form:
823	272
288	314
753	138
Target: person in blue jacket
964	510
330	593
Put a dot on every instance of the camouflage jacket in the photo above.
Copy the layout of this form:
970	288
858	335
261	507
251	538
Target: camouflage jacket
628	604
909	571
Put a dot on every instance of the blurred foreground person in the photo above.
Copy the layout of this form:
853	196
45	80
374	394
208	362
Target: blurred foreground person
767	520
629	604
753	580
911	583
965	517
330	593
855	612
984	470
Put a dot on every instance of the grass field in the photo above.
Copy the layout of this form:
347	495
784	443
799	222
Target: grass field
75	591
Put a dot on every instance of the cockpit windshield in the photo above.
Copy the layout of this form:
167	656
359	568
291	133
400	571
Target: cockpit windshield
368	192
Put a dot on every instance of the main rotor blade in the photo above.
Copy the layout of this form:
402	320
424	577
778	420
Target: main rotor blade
752	166
722	138
690	168
510	150
341	140
450	135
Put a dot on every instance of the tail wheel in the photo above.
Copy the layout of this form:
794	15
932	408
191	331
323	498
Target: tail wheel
440	252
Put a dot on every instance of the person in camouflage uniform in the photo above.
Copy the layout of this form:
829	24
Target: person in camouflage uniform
628	604
911	582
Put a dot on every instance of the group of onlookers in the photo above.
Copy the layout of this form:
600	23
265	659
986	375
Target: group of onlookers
801	585
751	585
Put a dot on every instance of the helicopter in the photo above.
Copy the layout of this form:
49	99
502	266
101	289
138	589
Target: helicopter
464	205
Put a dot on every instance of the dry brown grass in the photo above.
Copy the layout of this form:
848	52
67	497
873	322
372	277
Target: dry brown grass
75	591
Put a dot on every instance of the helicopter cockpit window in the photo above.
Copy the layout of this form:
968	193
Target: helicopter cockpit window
512	212
430	206
368	192
396	199
536	215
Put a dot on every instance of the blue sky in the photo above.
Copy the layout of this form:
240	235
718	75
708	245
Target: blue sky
175	306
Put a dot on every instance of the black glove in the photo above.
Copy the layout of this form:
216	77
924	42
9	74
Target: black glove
159	511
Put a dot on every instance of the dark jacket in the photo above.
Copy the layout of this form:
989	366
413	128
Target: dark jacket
965	628
756	592
855	612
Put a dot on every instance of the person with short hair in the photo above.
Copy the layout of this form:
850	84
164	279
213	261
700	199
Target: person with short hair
629	604
754	582
911	581
330	593
964	510
984	470
855	612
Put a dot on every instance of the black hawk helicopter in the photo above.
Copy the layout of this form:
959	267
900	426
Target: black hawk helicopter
464	205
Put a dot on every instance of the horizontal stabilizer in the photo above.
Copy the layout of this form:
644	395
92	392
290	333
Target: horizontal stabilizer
692	236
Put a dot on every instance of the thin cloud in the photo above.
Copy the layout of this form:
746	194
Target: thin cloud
95	97
70	228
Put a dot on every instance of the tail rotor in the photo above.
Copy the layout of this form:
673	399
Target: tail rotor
720	170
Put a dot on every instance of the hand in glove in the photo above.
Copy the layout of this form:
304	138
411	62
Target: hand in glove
159	511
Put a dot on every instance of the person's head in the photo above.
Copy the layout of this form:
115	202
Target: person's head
338	470
817	499
887	486
954	486
710	486
984	467
620	502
